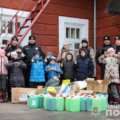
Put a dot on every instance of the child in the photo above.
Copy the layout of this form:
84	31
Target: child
37	74
16	65
53	68
19	52
47	57
3	76
84	65
68	67
112	74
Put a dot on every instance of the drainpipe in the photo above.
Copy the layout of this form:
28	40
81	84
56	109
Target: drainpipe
95	34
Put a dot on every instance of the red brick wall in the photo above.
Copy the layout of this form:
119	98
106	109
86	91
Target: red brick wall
104	26
46	28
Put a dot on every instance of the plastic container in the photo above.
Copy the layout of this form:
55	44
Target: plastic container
59	103
103	103
67	103
33	101
84	103
89	103
45	101
40	100
74	104
51	103
96	102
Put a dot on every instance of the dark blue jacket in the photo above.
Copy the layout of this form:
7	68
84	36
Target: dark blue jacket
84	67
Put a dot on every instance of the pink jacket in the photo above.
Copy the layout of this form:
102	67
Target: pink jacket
3	62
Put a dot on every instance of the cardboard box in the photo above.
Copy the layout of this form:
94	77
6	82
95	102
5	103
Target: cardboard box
98	85
74	89
19	95
89	92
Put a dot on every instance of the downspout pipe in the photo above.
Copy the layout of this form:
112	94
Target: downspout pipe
95	35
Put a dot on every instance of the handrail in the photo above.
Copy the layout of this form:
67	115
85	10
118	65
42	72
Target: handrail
12	20
13	17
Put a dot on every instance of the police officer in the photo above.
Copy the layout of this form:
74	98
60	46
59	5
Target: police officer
28	50
12	47
108	44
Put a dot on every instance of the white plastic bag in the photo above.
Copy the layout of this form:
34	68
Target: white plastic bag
65	90
81	84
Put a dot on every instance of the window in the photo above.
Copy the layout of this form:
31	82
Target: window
73	37
7	15
72	30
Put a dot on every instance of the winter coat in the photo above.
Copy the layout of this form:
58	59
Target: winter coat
90	54
52	74
16	74
84	67
111	68
68	69
37	73
98	54
10	49
64	52
28	50
3	62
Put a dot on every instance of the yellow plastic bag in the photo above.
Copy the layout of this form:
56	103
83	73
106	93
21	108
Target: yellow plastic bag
66	82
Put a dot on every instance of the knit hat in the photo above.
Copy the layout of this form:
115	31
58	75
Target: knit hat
13	53
36	52
65	43
32	37
85	40
52	58
20	47
2	51
110	49
50	53
15	38
117	38
107	37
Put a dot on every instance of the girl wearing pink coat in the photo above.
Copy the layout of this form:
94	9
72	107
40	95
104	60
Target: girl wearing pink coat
3	76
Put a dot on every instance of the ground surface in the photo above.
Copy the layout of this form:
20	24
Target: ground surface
10	111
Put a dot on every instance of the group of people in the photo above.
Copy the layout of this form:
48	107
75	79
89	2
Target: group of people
29	67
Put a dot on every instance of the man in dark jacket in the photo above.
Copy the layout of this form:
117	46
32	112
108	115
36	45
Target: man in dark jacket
84	66
68	67
11	48
107	43
28	50
8	51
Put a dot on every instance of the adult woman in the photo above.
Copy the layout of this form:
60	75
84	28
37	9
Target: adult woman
65	49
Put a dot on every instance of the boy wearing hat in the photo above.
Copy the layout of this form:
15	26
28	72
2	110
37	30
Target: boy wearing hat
37	74
106	43
19	52
16	66
53	68
90	50
28	50
84	66
47	57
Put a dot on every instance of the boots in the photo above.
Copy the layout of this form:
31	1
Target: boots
116	101
4	98
111	100
1	100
